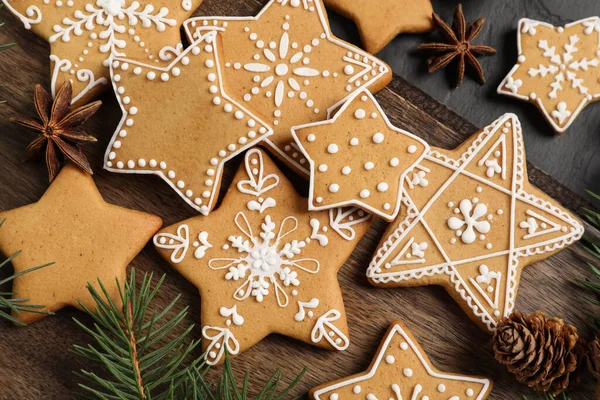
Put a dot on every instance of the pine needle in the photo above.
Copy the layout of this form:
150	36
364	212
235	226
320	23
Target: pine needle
142	358
10	302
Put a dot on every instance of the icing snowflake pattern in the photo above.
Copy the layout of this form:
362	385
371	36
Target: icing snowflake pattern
267	263
564	61
85	36
112	18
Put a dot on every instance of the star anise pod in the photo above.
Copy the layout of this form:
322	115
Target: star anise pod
458	46
60	129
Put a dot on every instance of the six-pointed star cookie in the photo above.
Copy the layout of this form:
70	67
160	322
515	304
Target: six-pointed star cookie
286	64
400	16
358	158
86	238
402	371
265	264
558	69
178	122
474	225
85	35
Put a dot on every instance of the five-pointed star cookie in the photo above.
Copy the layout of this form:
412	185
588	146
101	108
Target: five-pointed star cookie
86	238
265	264
287	65
178	122
85	35
358	158
558	69
402	371
474	224
400	16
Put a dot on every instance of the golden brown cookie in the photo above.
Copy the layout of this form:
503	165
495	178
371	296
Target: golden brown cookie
379	22
358	158
402	370
86	238
179	122
85	35
558	69
264	263
473	224
286	64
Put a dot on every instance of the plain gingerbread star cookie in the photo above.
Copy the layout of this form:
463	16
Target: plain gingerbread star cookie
358	158
265	264
86	238
85	35
558	69
475	225
179	123
400	16
287	65
402	371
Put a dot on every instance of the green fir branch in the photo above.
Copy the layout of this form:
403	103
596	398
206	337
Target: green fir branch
142	358
10	302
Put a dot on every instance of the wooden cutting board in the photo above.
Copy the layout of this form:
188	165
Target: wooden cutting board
35	362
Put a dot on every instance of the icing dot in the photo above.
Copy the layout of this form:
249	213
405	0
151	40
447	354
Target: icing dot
319	199
323	167
311	137
407	372
404	346
369	165
354	142
346	170
142	162
164	77
151	75
441	388
378	138
394	162
382	187
334	396
412	149
356	389
387	206
496	313
334	187
470	392
332	148
364	194
488	246
360	113
349	70
180	184
390	359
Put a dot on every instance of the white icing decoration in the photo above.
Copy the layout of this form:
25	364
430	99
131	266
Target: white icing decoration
219	339
83	75
203	247
472	221
322	239
469	221
325	326
302	306
249	129
258	184
179	243
292	53
342	220
566	69
232	312
386	206
403	375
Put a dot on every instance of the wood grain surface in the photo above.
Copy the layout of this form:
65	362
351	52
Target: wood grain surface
35	362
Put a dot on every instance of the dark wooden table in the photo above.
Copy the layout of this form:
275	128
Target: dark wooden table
35	362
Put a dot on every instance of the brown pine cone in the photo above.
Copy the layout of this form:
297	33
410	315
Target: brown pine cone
593	357
541	353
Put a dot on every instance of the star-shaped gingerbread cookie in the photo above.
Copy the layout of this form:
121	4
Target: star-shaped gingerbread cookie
86	238
179	123
474	225
287	65
358	158
402	371
558	69
85	35
264	263
400	16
